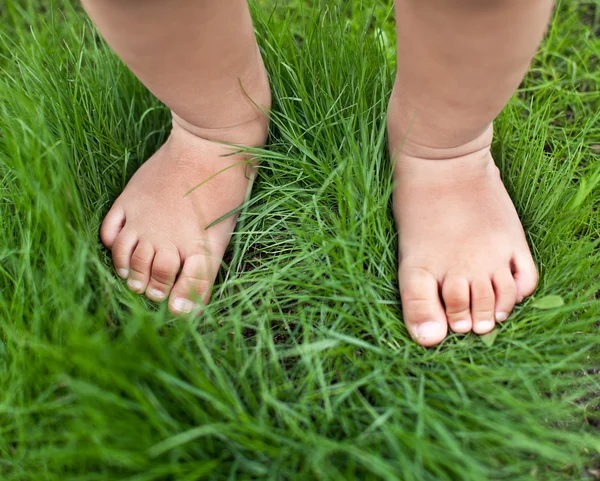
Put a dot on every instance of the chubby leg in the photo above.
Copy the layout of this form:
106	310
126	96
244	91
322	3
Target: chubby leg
201	59
464	259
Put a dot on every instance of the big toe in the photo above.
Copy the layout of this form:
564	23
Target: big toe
421	306
194	283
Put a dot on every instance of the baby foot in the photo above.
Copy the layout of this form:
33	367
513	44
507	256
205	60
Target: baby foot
158	235
464	259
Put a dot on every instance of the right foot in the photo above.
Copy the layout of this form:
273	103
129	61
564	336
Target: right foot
158	236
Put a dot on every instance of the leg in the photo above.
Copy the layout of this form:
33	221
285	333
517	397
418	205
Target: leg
464	259
193	55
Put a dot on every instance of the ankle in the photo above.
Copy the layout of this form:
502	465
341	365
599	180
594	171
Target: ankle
417	137
249	133
238	115
247	113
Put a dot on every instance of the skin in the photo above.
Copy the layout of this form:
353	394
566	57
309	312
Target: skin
464	259
158	235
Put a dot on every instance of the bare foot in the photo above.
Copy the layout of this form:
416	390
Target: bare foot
464	259
158	236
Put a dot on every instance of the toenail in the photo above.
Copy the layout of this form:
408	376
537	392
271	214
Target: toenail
501	316
485	326
462	325
135	284
183	305
428	330
520	299
156	293
123	273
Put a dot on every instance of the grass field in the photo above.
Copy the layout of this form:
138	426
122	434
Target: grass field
301	367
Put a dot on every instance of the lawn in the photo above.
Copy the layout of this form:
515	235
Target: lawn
301	367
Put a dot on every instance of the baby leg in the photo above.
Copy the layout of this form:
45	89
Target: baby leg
464	259
201	59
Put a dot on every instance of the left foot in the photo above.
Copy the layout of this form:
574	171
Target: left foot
464	259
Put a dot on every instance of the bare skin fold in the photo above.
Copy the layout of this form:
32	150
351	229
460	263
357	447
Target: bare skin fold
464	260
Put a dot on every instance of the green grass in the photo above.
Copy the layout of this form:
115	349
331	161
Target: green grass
301	367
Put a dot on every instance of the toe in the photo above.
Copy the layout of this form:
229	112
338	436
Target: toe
165	267
482	305
194	283
457	299
112	225
421	306
525	274
505	290
122	250
139	266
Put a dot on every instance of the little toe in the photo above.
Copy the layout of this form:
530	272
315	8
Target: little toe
457	299
165	267
482	305
525	274
140	266
112	225
421	306
505	290
122	250
194	283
